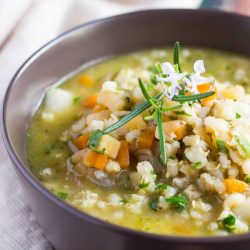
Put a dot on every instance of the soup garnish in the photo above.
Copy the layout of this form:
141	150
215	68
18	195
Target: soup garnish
152	145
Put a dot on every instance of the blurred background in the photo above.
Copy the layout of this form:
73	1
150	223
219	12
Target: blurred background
25	25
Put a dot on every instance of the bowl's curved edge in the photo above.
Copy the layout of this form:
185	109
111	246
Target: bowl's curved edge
79	214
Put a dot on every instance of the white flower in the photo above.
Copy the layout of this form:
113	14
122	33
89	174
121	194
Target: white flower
196	78
171	77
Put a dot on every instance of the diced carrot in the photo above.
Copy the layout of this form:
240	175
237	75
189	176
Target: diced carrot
235	186
86	81
165	118
123	155
145	140
94	159
203	88
179	128
90	101
81	141
188	93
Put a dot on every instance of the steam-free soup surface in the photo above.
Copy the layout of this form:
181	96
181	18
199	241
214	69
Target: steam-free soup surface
198	186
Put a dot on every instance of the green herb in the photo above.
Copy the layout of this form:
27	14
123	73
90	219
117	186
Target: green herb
165	109
99	151
150	117
155	69
247	179
124	201
237	116
153	204
227	223
196	165
153	79
182	113
94	138
161	186
244	144
76	100
221	146
176	59
62	195
146	94
161	136
190	98
138	109
171	157
143	185
178	201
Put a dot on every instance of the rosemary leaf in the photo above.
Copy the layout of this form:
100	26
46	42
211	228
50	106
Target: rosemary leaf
176	56
190	98
139	109
165	109
161	136
145	93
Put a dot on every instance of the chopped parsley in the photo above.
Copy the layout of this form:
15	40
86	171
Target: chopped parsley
161	186
124	201
244	144
76	100
237	116
94	138
227	223
153	204
62	195
143	185
221	146
247	179
171	157
196	165
178	201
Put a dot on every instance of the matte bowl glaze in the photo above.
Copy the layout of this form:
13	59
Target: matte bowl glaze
65	227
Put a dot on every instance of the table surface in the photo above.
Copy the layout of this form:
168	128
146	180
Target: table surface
32	24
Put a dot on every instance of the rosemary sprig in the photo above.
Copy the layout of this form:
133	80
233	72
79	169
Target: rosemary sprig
176	59
156	102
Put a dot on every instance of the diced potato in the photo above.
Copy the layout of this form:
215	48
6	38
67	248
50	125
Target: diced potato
176	128
58	100
102	115
110	145
234	92
217	126
112	100
136	123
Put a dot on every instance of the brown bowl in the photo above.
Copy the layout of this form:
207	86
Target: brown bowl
64	226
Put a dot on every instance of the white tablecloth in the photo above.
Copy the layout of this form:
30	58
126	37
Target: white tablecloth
25	26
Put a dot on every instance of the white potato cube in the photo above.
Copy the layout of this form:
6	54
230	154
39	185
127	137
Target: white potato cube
110	144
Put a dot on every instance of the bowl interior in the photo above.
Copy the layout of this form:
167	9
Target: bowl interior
109	37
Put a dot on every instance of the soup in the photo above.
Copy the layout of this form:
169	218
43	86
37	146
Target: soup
151	143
